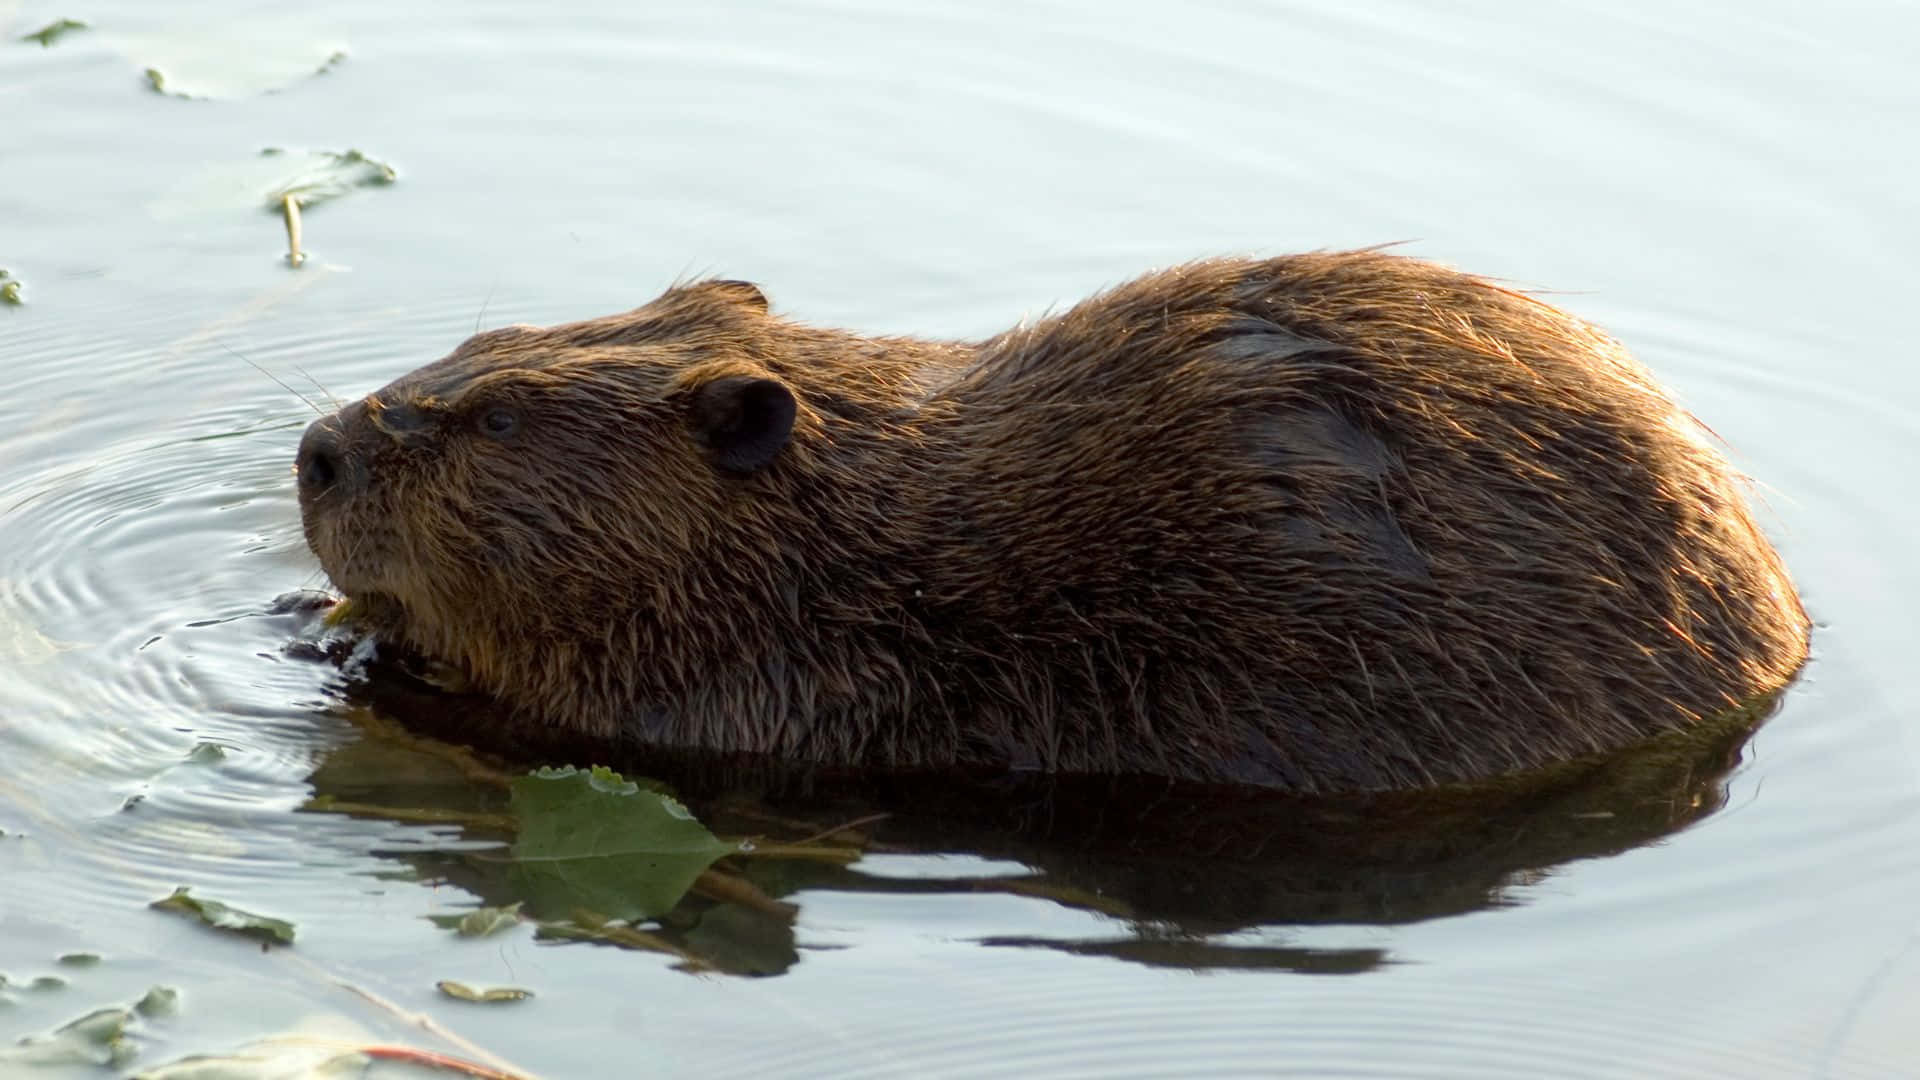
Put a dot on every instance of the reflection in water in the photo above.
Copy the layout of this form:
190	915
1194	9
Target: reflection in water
1180	869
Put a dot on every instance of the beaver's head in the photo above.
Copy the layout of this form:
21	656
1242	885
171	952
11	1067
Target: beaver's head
529	505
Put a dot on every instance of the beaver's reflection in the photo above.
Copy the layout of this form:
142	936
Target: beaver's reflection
1175	866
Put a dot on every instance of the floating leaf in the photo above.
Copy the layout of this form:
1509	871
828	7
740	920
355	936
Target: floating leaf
481	921
221	917
98	1038
206	753
54	31
467	993
158	1001
79	959
233	58
10	290
43	983
264	181
321	175
594	840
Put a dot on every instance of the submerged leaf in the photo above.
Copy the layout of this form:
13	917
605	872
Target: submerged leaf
481	921
594	840
54	31
221	917
286	1061
325	174
206	753
234	57
266	180
98	1038
323	1046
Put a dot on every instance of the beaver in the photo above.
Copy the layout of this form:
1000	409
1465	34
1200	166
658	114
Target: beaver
1330	522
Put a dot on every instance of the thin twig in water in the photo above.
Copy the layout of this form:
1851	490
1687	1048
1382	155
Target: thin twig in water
830	853
438	1061
849	826
420	1020
733	889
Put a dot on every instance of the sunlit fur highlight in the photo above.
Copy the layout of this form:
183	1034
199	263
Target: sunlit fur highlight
1326	522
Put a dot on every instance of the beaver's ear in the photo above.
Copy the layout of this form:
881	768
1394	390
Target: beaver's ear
744	293
743	420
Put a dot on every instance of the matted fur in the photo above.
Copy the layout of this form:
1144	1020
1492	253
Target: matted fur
1326	522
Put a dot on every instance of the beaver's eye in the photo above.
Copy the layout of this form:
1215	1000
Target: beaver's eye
499	422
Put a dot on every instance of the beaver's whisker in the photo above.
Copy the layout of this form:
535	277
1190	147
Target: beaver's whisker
331	400
478	319
354	549
277	380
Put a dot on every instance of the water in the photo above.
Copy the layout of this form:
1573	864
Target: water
1726	187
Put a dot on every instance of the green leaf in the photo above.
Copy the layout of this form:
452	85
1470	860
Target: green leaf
594	840
78	959
98	1038
467	993
10	290
481	921
54	31
221	917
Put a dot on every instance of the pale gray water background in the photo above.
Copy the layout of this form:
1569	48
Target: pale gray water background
1728	187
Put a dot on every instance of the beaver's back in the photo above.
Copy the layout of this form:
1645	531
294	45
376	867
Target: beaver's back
1336	521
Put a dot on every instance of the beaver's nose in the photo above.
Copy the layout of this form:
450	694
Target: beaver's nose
318	464
323	464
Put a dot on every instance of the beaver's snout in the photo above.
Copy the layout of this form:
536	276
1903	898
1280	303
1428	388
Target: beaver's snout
318	463
321	465
335	477
326	463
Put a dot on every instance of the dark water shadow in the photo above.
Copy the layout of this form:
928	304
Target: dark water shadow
1174	866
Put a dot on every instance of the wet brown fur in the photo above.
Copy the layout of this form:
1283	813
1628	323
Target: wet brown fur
1326	522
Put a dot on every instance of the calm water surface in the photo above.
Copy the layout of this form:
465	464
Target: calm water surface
1727	187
